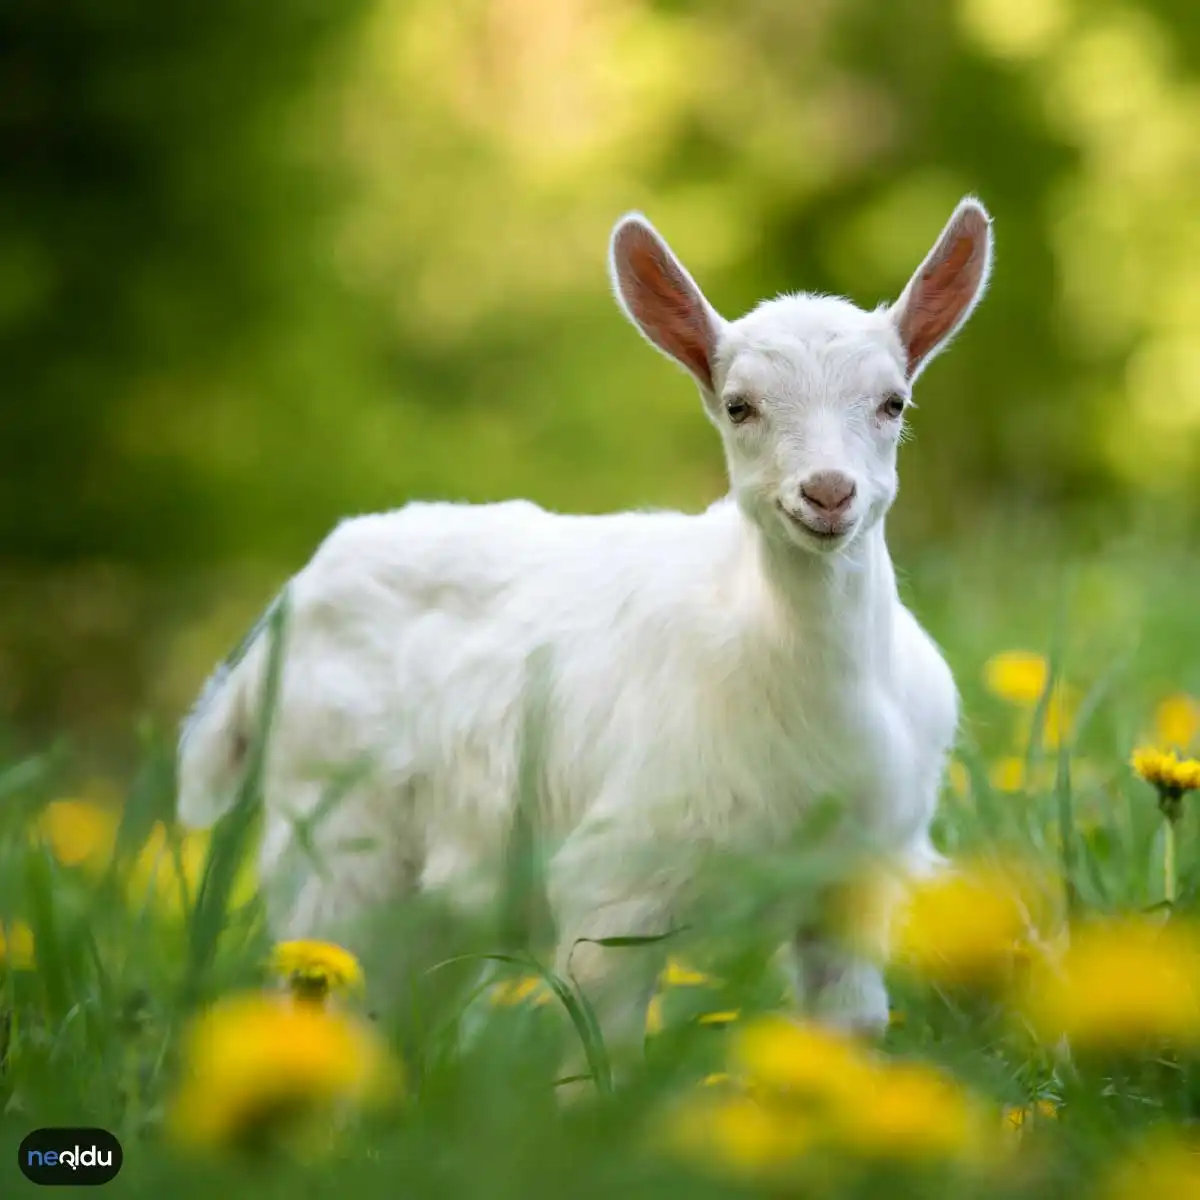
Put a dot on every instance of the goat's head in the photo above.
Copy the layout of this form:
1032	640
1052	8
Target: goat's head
809	392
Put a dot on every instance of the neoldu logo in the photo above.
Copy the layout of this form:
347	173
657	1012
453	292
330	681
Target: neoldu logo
71	1157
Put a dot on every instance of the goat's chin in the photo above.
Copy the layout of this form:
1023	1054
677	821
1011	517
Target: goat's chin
816	541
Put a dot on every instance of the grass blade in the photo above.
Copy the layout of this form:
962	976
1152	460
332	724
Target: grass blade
231	836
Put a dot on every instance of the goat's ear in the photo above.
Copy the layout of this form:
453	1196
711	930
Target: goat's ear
947	286
661	298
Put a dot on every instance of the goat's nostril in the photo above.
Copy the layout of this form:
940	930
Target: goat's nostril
830	491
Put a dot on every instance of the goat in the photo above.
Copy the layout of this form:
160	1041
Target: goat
708	677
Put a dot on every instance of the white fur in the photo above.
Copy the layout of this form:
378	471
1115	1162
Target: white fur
710	677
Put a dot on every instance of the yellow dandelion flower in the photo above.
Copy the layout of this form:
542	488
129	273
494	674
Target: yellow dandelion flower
1118	982
654	1016
959	779
962	925
720	1018
779	1054
169	868
1016	1118
1171	778
739	1135
16	945
1017	676
1057	720
315	969
1165	770
1166	1168
155	874
911	1110
1176	721
78	832
677	974
511	992
1007	774
255	1064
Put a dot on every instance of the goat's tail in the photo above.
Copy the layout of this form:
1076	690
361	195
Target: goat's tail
216	737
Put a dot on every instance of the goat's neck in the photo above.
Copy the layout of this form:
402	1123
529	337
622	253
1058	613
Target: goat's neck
844	600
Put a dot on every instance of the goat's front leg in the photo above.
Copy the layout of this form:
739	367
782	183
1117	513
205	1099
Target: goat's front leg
343	884
836	959
837	985
595	895
836	955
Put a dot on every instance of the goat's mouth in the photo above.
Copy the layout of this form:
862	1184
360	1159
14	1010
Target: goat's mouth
826	536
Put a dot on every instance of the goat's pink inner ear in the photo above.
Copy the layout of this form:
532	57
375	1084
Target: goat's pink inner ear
941	294
664	301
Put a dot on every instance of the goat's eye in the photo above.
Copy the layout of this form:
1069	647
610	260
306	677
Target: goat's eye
738	409
893	407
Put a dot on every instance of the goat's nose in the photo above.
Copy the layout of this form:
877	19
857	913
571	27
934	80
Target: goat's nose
829	491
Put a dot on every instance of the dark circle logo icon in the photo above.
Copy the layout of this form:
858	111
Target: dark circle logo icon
70	1157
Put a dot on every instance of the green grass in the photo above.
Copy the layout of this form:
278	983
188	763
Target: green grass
92	1031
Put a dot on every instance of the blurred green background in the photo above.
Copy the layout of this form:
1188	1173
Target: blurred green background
263	266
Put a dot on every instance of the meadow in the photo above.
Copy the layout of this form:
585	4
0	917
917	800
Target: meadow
1045	1031
265	266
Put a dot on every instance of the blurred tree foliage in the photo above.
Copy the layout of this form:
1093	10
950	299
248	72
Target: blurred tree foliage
162	250
264	266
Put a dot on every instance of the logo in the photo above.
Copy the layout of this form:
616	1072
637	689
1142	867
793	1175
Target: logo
70	1157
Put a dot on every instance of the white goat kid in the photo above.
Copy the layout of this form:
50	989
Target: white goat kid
711	677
